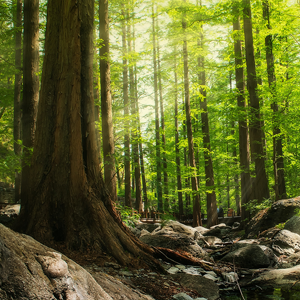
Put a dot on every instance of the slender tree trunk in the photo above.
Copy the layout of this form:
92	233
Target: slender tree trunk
30	88
278	162
135	131
17	92
244	150
157	129
126	116
196	199
260	182
211	201
163	134
106	104
64	207
177	150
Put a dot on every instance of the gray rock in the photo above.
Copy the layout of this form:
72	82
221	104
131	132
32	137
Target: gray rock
279	277
244	243
135	231
286	242
144	232
173	270
209	240
182	296
279	212
293	224
30	270
210	277
177	227
201	229
218	231
149	227
174	241
192	271
230	277
205	287
251	256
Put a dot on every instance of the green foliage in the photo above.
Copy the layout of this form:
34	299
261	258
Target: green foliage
253	206
128	215
280	226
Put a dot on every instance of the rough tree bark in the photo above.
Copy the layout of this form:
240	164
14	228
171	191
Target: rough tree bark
30	88
211	201
177	150
126	115
157	129
260	182
278	162
163	131
69	203
244	150
106	103
17	91
196	199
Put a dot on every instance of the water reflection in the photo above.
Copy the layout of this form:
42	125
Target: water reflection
266	293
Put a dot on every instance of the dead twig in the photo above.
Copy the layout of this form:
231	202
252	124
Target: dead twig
237	282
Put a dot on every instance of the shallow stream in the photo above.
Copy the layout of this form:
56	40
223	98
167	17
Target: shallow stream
263	293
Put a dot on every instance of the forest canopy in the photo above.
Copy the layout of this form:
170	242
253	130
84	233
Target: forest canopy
205	98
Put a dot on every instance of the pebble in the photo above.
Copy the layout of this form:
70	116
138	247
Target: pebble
182	296
209	276
173	270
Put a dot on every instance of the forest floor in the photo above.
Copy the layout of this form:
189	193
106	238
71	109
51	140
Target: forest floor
161	287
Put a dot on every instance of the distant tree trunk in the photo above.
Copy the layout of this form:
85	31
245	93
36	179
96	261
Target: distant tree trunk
211	201
17	92
244	150
157	129
30	89
126	116
135	132
163	134
106	104
260	182
177	150
196	199
65	204
278	162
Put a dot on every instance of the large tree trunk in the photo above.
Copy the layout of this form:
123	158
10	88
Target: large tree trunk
196	199
17	92
278	163
126	115
211	201
244	150
260	182
64	207
30	88
106	104
157	129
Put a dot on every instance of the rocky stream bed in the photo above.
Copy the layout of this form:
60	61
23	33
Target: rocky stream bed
223	262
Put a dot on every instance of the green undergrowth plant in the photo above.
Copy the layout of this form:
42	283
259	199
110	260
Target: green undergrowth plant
128	215
253	206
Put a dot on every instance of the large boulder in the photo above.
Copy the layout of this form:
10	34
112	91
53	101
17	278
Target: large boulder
176	227
30	270
293	224
205	287
286	242
280	277
174	241
252	257
220	231
279	212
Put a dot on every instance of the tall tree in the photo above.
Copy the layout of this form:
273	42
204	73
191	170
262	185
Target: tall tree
278	162
211	201
126	113
260	182
106	103
157	128
244	150
177	150
17	91
196	199
30	88
68	202
163	130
